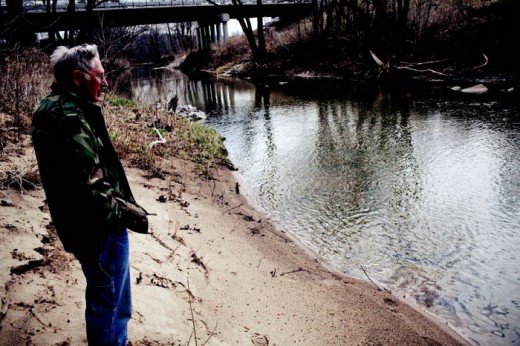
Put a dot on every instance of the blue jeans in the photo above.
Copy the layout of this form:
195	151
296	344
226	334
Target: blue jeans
108	296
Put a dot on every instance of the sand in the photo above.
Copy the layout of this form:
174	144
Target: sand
212	271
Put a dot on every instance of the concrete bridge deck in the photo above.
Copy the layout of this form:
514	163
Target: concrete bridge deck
61	6
129	13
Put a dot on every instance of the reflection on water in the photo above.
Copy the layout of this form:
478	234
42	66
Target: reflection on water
422	193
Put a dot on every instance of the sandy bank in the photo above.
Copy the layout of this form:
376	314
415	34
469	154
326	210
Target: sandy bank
213	271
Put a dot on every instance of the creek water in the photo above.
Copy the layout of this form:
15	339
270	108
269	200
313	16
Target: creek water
417	191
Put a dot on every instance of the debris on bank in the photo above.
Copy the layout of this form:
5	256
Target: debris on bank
184	111
191	113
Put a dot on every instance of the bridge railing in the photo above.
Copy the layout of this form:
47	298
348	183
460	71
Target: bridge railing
61	6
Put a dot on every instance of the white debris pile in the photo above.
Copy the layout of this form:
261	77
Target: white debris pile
190	112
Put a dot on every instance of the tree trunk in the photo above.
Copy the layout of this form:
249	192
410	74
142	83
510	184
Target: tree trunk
245	24
260	32
315	18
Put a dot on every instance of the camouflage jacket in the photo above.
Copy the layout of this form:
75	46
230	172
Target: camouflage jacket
80	170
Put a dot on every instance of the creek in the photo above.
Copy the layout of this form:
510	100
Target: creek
417	190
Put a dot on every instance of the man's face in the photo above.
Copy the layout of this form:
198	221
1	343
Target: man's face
91	86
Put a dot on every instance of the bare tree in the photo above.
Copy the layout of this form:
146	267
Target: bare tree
115	43
180	36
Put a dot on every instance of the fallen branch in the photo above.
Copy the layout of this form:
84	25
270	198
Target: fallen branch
386	67
227	211
31	311
431	62
162	140
421	71
379	289
22	180
192	315
376	59
300	269
210	335
486	61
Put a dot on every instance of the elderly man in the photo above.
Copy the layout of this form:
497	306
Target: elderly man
86	188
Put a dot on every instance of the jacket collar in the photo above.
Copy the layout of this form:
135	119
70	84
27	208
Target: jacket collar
60	90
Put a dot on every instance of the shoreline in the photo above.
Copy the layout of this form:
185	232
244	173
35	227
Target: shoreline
213	270
335	270
235	176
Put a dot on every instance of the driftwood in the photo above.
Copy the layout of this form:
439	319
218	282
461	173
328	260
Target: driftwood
388	67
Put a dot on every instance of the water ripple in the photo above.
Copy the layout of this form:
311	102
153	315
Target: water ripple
423	193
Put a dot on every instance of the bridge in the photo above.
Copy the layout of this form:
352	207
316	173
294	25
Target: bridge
135	12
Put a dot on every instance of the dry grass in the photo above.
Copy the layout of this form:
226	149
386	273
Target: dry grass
235	51
145	136
20	178
25	78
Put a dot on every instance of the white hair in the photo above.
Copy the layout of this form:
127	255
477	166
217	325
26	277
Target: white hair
65	60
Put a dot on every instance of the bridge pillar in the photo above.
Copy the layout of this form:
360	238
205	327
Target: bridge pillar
209	32
225	31
202	39
212	33
218	27
198	31
207	38
224	19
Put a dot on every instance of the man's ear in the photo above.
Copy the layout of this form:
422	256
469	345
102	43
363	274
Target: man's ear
77	77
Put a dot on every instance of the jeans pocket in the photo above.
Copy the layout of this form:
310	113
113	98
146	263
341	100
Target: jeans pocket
100	290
